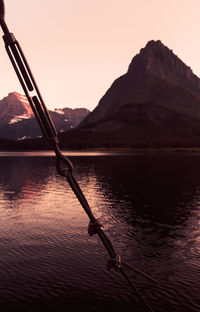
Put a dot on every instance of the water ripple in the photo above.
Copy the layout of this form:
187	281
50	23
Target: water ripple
148	209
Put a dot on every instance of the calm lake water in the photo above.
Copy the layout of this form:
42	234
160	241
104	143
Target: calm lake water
150	208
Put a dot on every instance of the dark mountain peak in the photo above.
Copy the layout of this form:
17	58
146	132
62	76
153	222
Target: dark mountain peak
155	44
158	60
154	48
155	76
153	54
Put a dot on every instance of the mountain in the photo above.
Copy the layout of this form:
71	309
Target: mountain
156	103
18	122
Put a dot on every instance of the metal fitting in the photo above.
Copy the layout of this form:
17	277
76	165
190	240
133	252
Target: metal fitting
94	227
114	263
63	171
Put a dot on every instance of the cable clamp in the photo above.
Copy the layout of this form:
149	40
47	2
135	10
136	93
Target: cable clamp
114	263
94	227
63	165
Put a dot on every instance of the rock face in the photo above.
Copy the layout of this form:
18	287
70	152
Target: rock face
17	119
14	105
75	115
156	102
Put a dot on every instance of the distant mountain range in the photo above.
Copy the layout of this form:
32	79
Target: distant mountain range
17	120
155	104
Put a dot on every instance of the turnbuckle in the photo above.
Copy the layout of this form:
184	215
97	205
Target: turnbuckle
40	111
27	81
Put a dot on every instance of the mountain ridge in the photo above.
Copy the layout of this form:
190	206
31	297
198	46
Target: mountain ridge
155	104
17	120
150	79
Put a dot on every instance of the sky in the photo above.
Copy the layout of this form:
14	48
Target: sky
77	48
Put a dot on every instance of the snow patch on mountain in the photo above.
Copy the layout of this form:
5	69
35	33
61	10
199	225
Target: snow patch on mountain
17	120
59	111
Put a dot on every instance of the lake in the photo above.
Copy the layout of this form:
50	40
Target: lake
149	205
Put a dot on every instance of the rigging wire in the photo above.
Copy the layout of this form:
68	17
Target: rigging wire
63	164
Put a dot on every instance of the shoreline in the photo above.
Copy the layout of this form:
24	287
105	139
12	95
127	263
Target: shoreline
101	151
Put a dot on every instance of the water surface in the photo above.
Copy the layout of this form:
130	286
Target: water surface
150	208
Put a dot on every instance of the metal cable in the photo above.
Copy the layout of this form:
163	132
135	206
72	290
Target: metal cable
40	111
136	291
115	259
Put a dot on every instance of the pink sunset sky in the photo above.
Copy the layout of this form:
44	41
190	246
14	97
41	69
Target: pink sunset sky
77	48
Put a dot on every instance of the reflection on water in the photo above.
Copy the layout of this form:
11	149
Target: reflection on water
150	208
